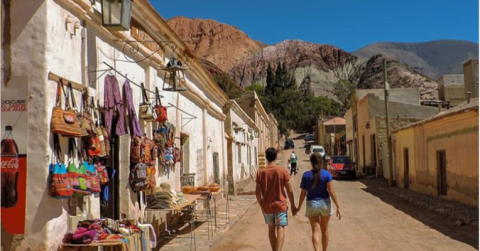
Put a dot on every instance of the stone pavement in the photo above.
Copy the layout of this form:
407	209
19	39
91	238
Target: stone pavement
238	206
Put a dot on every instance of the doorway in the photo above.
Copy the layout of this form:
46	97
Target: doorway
373	147
185	161
406	167
442	172
364	155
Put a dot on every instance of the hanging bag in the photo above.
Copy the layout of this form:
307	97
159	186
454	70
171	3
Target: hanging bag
102	173
60	186
93	183
138	177
64	122
145	107
106	137
77	175
78	113
160	110
94	148
86	113
99	133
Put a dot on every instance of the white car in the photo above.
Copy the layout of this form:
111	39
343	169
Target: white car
317	149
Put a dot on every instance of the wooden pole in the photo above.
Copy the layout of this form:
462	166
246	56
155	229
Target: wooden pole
387	122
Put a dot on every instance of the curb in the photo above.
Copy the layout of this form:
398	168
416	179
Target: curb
461	219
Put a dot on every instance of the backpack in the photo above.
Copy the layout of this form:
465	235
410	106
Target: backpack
160	110
138	177
135	149
152	182
102	173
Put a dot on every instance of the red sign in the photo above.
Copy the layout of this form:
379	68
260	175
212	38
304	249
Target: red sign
13	218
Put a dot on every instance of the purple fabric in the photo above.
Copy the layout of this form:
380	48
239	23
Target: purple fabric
134	123
113	99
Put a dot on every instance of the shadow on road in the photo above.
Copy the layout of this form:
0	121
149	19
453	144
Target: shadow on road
466	234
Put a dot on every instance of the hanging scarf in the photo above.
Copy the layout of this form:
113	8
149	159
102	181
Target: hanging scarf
113	101
134	123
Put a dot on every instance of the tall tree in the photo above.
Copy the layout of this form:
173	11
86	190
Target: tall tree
269	89
343	90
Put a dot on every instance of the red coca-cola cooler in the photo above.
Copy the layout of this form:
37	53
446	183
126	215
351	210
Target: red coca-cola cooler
13	173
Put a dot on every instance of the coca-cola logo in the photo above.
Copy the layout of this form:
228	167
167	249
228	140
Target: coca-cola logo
10	165
14	105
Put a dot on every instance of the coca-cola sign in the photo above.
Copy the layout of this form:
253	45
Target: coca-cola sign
9	165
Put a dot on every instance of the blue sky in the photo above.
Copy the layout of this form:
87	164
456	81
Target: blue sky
348	24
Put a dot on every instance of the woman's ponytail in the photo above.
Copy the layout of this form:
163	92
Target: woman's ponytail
317	162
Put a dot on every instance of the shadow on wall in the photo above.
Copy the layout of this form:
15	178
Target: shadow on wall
466	234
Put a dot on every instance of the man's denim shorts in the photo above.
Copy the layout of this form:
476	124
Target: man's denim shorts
319	208
276	219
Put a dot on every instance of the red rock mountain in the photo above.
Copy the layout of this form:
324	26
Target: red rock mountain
222	44
246	60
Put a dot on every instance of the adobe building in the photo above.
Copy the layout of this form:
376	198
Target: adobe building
438	156
252	106
48	40
330	134
451	88
470	73
366	129
242	145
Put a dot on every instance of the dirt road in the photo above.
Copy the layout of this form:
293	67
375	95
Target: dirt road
371	220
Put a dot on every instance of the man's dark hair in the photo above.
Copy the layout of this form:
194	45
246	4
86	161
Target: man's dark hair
271	154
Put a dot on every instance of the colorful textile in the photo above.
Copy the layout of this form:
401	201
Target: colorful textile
135	128
113	101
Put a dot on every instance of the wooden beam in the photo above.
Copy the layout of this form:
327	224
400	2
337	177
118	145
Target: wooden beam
54	77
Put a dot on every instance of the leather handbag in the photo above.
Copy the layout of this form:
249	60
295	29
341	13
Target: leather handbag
83	130
146	112
159	109
60	186
64	122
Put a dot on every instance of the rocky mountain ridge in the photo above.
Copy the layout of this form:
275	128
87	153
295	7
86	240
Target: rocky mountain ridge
246	60
434	58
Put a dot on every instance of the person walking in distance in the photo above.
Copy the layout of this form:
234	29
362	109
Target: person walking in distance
293	161
317	186
272	181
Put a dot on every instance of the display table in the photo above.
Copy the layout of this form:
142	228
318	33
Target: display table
132	242
189	207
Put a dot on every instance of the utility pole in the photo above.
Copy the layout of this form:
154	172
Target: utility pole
387	122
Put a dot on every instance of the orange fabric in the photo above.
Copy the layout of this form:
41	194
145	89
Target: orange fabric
272	180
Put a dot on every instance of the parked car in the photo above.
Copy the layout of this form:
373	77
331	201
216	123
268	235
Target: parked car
309	137
342	166
289	144
317	149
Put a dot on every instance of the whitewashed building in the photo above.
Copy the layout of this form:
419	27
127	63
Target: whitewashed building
242	145
48	39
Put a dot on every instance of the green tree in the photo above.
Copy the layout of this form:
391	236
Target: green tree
343	90
269	89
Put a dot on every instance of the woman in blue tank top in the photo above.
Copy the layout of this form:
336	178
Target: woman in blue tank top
318	188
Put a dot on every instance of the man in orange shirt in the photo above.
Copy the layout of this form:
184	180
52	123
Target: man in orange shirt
272	181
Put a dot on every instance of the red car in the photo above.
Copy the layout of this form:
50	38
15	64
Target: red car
342	166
